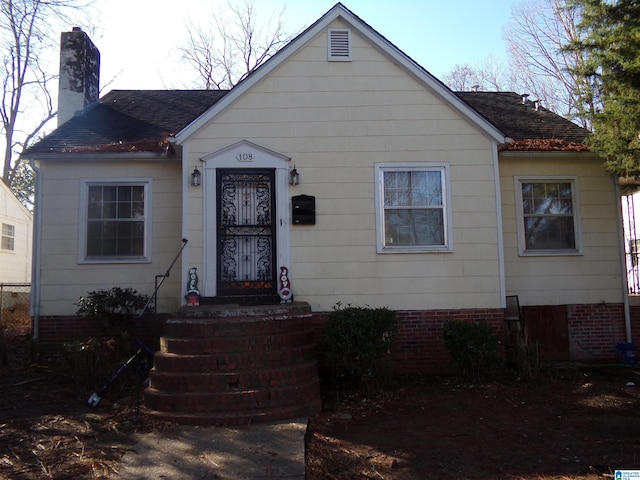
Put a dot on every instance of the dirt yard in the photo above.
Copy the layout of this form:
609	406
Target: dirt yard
582	424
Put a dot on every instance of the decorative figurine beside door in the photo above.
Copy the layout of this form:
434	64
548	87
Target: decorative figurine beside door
193	294
285	286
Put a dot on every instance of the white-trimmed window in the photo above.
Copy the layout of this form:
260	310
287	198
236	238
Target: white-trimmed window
548	222
8	241
413	207
115	223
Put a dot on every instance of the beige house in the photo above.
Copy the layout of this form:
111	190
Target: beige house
16	222
409	196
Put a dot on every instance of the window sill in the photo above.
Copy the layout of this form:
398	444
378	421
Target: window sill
551	253
90	261
414	250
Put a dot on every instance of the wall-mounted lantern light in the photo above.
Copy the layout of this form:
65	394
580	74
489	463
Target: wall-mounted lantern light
196	177
294	176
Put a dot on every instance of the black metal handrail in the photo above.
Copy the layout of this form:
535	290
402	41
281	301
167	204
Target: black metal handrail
159	280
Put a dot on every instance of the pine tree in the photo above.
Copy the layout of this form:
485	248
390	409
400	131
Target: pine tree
611	40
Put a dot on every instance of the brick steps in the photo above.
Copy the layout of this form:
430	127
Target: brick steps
225	369
224	379
240	400
258	342
248	417
172	362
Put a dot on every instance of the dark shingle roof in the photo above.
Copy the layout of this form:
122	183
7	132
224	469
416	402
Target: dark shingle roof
143	120
129	120
530	129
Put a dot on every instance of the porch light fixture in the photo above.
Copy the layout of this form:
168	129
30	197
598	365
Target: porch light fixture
196	177
294	176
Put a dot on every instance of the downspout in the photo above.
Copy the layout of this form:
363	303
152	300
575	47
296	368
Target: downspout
496	176
184	182
623	264
34	309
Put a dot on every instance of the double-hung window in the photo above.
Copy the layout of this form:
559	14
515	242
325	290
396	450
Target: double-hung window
8	237
548	222
116	221
413	207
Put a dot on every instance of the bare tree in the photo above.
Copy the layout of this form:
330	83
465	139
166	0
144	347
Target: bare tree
541	63
26	105
489	75
227	51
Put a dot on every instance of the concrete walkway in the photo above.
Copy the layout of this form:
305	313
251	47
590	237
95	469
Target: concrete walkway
268	451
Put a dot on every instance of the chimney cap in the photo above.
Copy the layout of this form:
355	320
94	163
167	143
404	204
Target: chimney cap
76	29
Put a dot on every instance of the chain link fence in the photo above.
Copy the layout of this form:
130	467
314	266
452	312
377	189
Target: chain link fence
15	320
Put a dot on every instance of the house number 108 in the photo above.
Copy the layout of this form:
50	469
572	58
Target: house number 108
244	157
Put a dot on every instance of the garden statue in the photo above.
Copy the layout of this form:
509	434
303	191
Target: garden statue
193	294
285	286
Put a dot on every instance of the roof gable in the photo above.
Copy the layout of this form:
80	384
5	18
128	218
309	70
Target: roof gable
339	11
148	122
8	197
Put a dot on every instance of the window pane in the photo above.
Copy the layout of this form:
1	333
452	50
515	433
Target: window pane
137	210
414	227
116	220
137	194
124	194
426	188
8	230
547	198
109	194
7	241
416	188
396	188
547	233
549	223
124	210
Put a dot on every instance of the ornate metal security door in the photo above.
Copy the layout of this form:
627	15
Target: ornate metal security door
246	233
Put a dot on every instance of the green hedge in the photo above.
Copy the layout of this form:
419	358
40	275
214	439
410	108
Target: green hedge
357	345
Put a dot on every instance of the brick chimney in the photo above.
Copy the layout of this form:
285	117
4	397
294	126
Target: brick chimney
79	74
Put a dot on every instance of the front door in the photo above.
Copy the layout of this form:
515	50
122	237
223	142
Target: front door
246	233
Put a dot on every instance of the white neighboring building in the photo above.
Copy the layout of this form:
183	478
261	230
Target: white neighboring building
631	224
16	222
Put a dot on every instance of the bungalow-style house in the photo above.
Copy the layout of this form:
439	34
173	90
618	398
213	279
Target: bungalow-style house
16	222
344	172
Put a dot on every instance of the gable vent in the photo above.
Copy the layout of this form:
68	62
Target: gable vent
339	45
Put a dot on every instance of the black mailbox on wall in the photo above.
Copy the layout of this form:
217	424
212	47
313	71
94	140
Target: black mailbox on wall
304	210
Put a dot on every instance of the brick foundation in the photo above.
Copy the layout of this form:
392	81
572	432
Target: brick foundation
594	331
54	332
419	345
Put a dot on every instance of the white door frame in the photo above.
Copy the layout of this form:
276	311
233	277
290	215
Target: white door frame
243	154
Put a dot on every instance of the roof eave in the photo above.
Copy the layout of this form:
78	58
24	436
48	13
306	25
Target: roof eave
548	153
100	156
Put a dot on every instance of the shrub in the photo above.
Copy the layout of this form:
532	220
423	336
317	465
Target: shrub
90	362
474	349
116	303
357	345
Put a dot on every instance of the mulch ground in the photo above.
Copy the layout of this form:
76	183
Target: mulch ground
581	423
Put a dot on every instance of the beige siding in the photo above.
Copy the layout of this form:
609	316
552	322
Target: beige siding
15	265
60	240
335	120
592	277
